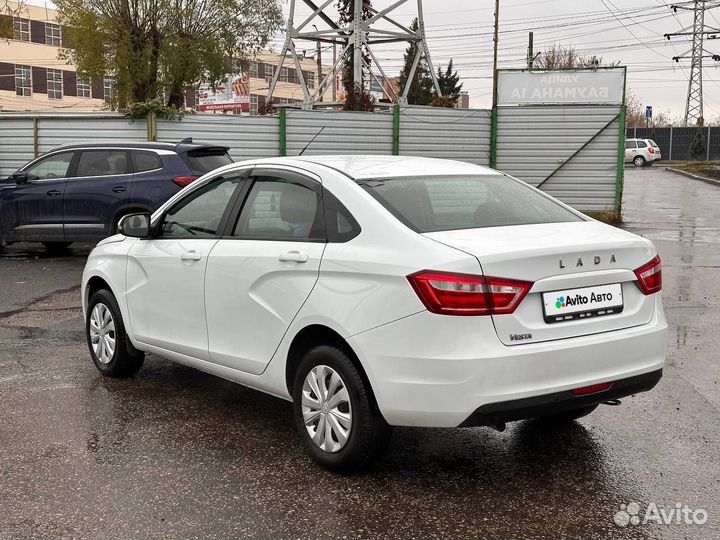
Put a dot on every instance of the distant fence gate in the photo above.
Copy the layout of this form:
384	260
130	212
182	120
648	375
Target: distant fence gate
674	142
572	151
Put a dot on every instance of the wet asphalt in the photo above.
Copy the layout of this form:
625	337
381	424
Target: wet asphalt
177	453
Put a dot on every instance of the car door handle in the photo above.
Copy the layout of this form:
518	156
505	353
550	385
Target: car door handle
293	256
54	193
119	189
190	256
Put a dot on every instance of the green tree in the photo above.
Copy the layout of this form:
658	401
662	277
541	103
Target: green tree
421	87
697	149
357	98
7	12
156	46
450	86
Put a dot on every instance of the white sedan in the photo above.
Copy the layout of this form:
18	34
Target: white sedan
381	291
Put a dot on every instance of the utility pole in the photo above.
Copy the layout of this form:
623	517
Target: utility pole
318	58
531	55
696	53
495	52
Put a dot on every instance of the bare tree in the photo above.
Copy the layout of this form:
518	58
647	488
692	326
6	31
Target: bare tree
559	57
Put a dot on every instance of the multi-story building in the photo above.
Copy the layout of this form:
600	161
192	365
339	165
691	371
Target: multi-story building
33	78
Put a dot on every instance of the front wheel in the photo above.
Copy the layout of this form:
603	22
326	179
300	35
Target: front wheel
110	349
639	161
335	412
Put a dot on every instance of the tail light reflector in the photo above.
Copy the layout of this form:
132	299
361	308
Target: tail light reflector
449	293
183	181
592	389
650	276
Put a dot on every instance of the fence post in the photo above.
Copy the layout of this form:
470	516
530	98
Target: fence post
283	131
620	174
493	137
151	125
708	146
36	137
396	131
671	144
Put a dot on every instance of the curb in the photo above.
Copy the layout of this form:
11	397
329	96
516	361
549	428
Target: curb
694	176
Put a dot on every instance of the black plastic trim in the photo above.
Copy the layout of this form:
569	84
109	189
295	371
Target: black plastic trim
520	409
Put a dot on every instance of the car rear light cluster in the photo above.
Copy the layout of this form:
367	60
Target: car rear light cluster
449	293
650	276
651	149
183	181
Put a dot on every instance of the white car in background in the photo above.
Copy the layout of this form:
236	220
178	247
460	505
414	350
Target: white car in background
641	152
378	291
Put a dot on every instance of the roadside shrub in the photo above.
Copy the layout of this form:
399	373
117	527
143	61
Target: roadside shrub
697	149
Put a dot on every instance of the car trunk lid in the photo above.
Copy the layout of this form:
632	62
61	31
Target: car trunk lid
564	261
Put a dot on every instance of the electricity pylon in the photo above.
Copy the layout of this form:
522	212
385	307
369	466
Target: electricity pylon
357	36
698	31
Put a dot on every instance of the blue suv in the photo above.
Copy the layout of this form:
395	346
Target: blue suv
78	192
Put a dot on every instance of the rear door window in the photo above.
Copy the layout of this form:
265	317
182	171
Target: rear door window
204	160
103	163
146	161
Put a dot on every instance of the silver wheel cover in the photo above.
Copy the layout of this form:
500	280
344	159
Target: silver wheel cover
102	333
326	408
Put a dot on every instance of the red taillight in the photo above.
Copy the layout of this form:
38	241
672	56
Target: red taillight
592	389
650	276
465	294
651	149
183	181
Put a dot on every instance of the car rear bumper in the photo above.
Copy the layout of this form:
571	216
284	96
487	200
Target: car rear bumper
438	371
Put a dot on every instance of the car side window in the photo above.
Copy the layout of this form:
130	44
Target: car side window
55	166
341	224
103	163
146	161
630	145
280	209
642	144
199	214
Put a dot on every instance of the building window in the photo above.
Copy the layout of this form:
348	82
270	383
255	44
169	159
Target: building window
54	84
84	88
269	72
23	81
109	83
53	35
253	70
284	74
310	79
253	104
21	28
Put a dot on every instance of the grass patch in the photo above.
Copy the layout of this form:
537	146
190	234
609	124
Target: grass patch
708	170
611	217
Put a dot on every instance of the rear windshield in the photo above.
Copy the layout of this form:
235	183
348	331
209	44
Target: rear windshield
446	203
652	143
205	160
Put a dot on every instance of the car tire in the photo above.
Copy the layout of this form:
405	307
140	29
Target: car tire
346	419
639	161
110	349
57	246
566	417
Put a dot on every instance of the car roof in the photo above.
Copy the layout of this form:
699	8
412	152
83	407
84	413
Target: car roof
377	166
175	147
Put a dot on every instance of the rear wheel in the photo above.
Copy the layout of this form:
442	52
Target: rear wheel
639	161
566	417
111	351
57	246
335	413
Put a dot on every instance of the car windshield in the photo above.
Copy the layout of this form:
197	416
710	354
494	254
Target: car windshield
445	203
205	160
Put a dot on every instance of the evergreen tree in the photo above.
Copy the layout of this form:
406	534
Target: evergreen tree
421	87
449	82
697	149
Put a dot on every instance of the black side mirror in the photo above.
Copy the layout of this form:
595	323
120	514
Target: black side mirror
20	177
135	225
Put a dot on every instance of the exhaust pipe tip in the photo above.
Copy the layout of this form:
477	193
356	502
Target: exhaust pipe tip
612	402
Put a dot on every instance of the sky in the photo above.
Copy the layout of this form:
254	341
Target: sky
627	31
